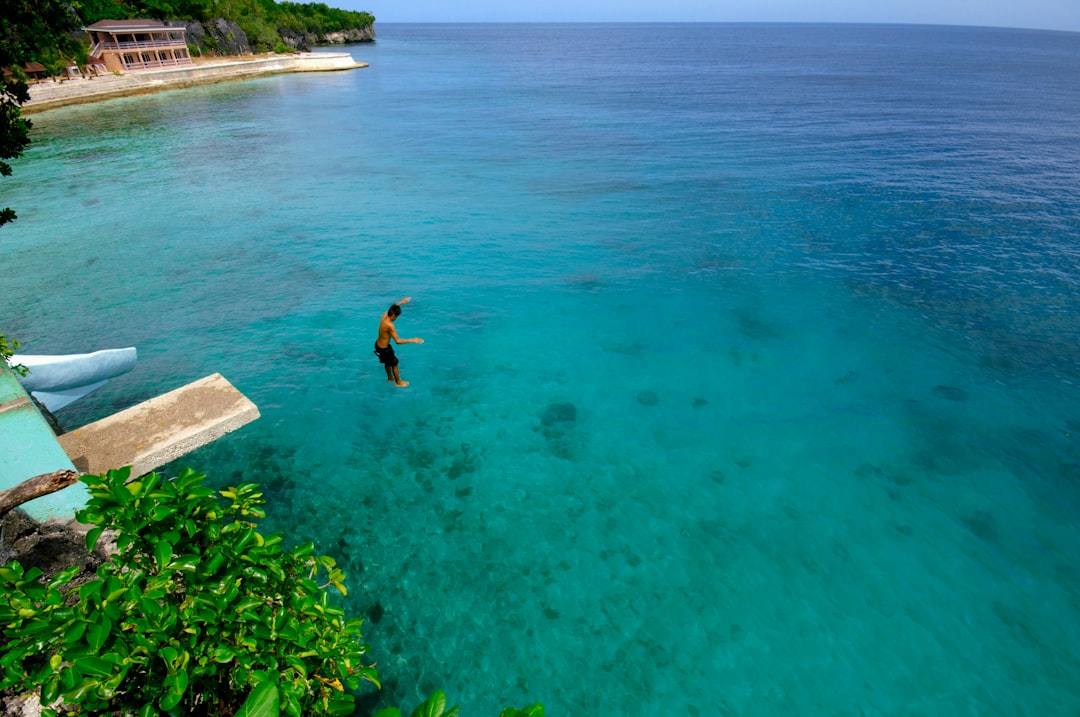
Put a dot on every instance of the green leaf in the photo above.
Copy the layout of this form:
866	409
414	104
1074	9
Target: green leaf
80	690
163	552
433	706
246	603
69	678
75	633
64	577
98	632
291	705
94	666
388	712
185	563
297	664
49	691
536	710
175	684
178	681
187	479
211	566
151	481
223	654
170	700
244	539
114	588
11	572
262	702
342	706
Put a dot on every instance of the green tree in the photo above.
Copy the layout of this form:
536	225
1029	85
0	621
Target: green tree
93	10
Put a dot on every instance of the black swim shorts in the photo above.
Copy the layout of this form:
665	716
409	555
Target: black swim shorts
386	355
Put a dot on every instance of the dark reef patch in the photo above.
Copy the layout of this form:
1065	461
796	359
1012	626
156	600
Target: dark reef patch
950	393
982	525
648	398
565	412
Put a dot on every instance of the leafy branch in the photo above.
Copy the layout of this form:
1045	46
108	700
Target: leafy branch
7	350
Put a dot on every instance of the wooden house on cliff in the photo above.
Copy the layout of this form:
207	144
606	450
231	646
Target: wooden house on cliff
133	45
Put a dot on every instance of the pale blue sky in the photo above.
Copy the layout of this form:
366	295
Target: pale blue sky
1043	14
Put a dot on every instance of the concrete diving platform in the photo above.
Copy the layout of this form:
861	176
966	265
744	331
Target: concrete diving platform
160	430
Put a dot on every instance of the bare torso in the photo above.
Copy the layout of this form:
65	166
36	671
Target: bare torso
386	332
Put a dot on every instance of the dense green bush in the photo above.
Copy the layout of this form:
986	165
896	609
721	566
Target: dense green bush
196	612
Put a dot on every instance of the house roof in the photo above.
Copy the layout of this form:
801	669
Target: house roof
28	67
130	26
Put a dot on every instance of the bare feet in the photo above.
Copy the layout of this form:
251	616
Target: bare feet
402	384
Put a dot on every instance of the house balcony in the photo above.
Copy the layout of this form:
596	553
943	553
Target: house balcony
138	45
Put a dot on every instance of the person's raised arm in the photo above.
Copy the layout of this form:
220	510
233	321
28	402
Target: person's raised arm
406	300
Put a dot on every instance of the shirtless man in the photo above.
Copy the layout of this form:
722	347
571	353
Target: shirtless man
384	350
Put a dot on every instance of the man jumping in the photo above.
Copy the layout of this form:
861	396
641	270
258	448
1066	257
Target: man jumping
384	350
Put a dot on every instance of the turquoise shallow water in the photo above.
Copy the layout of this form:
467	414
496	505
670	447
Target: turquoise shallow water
750	374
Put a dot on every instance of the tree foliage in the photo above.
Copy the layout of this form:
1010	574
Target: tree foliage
261	20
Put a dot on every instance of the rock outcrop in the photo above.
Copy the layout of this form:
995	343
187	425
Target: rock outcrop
52	546
225	37
304	41
220	36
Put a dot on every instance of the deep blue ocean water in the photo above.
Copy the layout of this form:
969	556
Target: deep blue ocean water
750	383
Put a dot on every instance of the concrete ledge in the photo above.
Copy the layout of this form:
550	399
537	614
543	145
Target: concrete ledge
49	95
28	448
160	430
12	405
